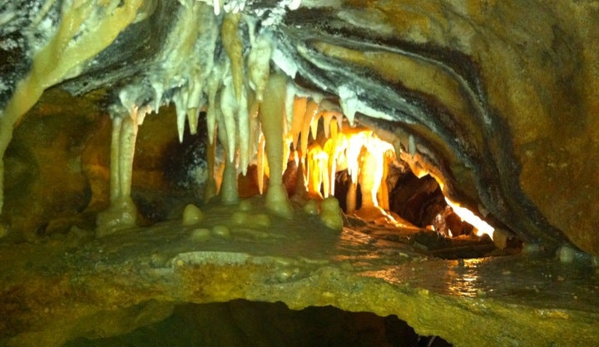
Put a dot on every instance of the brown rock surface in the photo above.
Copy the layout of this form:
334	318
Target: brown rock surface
538	62
75	286
527	118
511	94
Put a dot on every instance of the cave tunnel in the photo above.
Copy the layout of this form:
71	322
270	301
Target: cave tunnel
299	173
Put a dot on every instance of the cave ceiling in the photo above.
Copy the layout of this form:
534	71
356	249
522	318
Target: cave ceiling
497	99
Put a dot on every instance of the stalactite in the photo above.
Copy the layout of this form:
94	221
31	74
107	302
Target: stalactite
243	128
122	211
299	111
63	56
115	148
193	108
180	100
213	85
311	110
271	118
259	64
234	48
227	119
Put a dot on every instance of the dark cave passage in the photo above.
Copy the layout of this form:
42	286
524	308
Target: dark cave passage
242	323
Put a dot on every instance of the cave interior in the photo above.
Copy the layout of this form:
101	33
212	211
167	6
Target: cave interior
268	173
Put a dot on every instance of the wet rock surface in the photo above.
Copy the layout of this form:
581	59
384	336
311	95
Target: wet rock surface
76	286
499	98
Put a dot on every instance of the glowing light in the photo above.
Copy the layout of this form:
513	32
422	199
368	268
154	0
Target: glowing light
465	214
362	153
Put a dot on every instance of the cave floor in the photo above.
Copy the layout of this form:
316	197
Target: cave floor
75	285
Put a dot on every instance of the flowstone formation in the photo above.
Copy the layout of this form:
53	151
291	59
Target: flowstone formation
221	126
432	82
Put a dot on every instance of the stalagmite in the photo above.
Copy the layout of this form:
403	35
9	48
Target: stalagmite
317	173
331	214
350	200
192	215
301	189
271	118
383	191
62	57
369	184
331	148
122	211
228	188
260	164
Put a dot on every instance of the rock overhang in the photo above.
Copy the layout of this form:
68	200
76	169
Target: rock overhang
431	84
332	55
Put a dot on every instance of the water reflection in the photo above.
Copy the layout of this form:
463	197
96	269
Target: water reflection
360	248
400	264
459	278
462	278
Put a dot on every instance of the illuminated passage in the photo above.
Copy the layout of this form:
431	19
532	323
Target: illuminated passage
221	61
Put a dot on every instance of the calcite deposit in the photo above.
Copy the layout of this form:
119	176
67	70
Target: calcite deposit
120	119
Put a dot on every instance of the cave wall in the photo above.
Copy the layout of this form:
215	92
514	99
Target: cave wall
537	64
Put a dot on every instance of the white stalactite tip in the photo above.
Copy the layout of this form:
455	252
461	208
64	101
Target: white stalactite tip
180	100
412	145
193	105
216	5
294	4
349	102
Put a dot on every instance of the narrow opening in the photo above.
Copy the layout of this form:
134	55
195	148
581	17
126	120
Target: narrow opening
245	323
